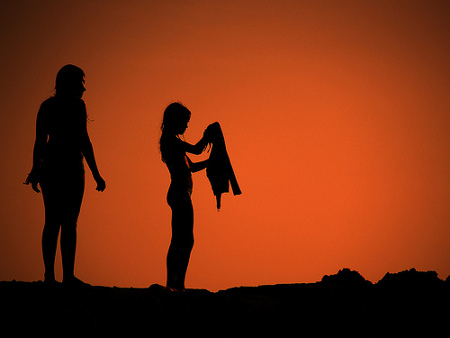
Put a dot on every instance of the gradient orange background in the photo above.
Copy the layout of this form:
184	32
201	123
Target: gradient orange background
336	118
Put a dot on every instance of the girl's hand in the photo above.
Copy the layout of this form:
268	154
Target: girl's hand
33	180
208	134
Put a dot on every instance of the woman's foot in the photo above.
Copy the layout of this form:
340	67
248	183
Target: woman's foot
74	282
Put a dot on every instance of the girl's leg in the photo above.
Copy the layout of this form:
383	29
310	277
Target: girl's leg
181	243
171	264
186	244
174	253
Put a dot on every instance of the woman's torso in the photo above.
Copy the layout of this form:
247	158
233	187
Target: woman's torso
64	122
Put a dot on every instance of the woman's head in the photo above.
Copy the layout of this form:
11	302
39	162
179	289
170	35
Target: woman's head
175	119
70	82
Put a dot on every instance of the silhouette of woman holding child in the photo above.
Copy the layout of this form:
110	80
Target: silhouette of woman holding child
62	141
173	153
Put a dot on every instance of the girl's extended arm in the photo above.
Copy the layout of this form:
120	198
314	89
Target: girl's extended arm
197	148
200	146
197	166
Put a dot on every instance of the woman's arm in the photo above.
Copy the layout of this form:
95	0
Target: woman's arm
88	153
38	150
41	140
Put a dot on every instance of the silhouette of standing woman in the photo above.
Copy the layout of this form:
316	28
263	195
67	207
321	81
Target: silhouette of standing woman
61	143
173	153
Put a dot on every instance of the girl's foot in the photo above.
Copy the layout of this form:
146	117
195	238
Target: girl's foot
50	282
174	288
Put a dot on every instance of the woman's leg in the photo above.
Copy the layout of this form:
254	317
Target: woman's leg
71	210
51	230
68	250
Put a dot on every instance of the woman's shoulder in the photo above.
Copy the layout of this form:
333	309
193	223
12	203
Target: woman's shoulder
47	107
54	100
48	103
54	105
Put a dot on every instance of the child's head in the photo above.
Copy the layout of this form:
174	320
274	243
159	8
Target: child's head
70	82
175	119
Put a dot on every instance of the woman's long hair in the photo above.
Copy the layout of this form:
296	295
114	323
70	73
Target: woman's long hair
175	114
68	79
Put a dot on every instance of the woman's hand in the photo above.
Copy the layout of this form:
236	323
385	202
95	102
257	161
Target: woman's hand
34	186
101	184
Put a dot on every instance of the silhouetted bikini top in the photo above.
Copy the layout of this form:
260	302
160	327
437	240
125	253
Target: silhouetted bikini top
219	170
64	121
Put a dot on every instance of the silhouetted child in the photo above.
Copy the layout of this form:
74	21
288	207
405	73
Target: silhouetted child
61	143
173	153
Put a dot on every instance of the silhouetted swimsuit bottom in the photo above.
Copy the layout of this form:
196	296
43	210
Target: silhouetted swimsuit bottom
63	192
179	200
182	241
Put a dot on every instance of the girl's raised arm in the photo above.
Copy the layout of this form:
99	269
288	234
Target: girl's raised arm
197	148
200	146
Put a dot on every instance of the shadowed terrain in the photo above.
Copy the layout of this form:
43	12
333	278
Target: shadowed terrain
399	304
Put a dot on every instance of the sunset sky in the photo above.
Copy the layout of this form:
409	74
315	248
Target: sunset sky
336	116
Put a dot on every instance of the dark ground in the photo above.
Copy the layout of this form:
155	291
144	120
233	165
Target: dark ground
399	305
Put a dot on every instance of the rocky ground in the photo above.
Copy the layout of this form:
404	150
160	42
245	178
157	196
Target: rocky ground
399	305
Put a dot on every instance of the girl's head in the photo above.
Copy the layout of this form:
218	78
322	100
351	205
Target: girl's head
70	82
175	119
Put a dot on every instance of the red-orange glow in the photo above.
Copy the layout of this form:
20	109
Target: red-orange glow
335	116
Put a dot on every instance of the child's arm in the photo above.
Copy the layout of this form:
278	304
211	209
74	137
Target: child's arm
197	148
194	167
200	146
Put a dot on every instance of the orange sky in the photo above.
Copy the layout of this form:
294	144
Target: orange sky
336	118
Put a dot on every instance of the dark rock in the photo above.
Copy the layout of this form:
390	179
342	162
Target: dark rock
346	278
344	303
410	279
